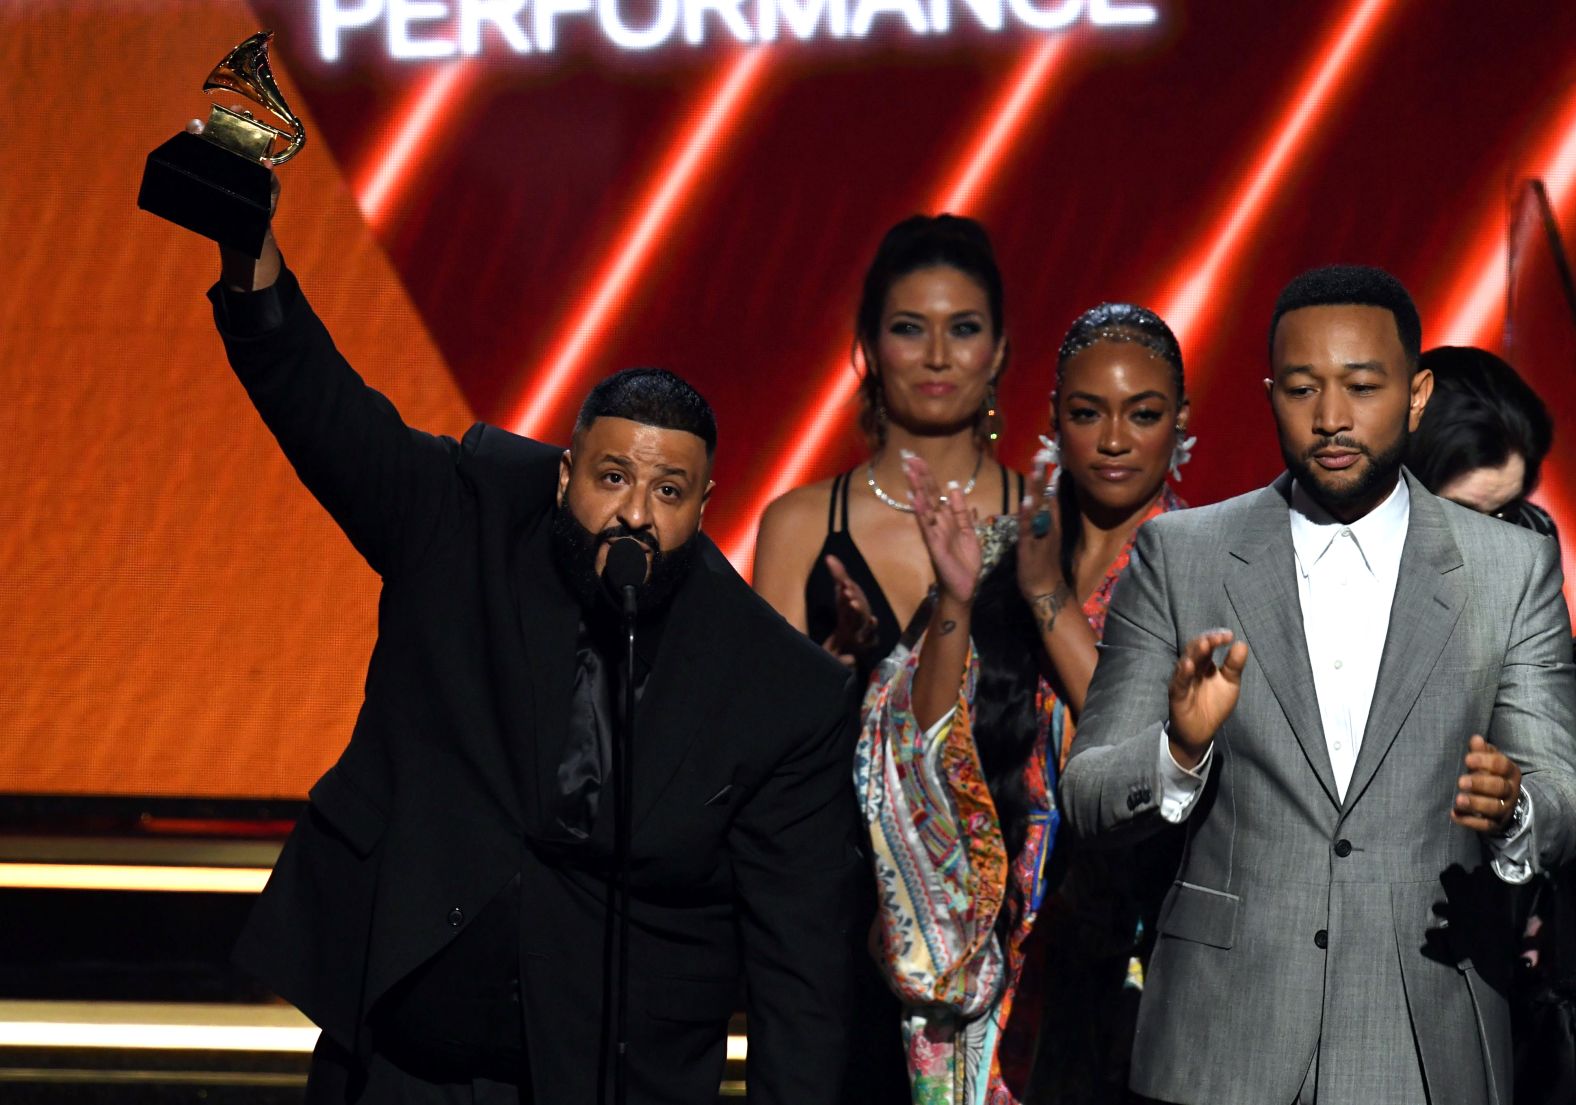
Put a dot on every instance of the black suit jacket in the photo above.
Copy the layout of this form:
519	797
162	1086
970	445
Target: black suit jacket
743	859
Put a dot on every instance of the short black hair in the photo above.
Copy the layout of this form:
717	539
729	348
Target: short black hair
1353	286
652	397
1480	413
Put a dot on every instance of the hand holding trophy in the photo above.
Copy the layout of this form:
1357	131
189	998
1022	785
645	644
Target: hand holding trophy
219	183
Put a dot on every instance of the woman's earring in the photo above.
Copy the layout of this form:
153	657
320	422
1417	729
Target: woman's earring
881	414
1181	453
992	415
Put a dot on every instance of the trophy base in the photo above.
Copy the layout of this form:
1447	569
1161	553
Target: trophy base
206	188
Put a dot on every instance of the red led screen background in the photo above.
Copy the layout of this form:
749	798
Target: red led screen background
487	235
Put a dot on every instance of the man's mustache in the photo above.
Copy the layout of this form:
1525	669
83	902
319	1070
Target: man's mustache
615	533
1339	441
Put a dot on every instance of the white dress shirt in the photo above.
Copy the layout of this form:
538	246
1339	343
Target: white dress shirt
1346	576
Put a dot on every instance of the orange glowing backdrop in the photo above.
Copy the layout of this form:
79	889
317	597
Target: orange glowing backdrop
489	229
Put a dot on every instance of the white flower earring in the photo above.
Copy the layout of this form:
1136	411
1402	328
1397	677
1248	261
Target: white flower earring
1181	453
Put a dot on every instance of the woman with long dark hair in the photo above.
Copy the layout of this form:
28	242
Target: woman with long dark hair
931	344
965	734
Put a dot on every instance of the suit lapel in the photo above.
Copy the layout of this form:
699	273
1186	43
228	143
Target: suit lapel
689	678
1423	614
1263	592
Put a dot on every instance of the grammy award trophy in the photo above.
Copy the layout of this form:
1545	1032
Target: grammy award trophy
218	183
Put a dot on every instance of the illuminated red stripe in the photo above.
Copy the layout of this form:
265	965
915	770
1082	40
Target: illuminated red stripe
1187	302
962	190
697	149
421	121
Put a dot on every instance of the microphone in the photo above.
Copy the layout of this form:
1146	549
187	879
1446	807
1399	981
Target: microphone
623	574
625	570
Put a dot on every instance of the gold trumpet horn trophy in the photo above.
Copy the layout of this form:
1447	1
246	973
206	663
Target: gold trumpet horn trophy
218	183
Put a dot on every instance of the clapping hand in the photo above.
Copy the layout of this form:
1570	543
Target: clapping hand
948	532
1203	694
1486	795
855	632
1040	539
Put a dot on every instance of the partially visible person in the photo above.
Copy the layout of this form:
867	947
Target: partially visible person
963	737
1358	697
1483	437
841	559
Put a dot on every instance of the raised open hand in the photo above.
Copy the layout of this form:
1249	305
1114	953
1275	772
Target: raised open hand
948	531
1203	694
855	632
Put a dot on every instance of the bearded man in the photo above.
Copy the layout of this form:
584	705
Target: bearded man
442	910
1358	698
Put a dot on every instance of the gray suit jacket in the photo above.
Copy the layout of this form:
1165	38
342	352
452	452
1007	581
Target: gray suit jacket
1373	929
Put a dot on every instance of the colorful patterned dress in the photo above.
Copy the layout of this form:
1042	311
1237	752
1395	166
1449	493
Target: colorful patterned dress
943	875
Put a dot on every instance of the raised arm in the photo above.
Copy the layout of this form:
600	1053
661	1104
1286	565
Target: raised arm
385	484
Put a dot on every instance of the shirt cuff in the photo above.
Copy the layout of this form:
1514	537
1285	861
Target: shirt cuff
252	314
1513	855
1179	786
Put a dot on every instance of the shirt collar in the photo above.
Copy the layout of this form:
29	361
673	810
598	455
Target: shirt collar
1379	535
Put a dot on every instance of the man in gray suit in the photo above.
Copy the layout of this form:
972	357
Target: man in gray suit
1358	697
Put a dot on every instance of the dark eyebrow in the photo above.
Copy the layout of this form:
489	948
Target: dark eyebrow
662	469
1365	366
1144	397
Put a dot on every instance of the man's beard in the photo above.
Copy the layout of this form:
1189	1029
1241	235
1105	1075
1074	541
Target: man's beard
1368	489
575	551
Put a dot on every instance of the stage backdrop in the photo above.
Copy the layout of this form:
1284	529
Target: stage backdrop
503	200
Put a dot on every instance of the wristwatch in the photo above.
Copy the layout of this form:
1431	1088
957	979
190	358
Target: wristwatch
1518	817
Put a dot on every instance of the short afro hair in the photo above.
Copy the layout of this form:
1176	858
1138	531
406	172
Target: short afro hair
1481	412
1353	286
652	397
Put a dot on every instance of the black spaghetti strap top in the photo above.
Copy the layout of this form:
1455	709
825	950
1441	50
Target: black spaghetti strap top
820	589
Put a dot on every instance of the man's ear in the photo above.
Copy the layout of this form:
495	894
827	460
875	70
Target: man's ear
566	463
705	497
1422	389
1269	389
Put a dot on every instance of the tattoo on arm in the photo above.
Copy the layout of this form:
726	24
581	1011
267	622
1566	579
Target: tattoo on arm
947	627
1048	607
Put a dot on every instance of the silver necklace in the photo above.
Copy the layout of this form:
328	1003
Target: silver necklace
870	478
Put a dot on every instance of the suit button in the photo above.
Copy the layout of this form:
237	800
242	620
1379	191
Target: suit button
456	917
1343	848
1321	939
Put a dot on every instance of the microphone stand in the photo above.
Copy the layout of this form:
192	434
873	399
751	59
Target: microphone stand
624	773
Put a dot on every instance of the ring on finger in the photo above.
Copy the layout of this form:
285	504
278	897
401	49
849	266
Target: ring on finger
1040	524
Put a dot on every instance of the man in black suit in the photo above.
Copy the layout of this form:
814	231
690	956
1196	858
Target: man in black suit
442	909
